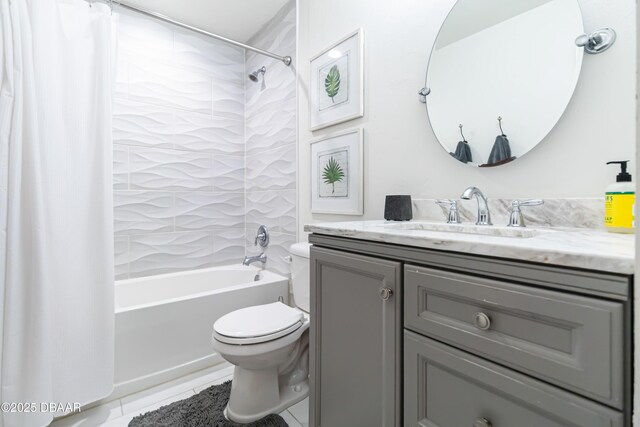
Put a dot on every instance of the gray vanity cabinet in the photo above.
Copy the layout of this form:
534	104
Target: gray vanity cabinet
355	340
486	342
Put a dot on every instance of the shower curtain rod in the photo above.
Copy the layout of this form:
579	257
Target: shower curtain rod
285	59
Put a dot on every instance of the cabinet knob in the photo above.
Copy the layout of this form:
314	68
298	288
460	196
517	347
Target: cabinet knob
482	422
386	293
482	321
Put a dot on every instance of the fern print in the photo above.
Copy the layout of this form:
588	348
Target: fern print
332	173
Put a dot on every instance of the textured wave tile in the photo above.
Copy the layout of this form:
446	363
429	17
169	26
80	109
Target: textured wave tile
143	37
135	123
270	129
163	253
279	35
278	31
219	58
201	132
277	92
158	169
140	212
272	169
121	83
156	83
275	209
227	98
121	257
120	167
228	173
228	246
205	211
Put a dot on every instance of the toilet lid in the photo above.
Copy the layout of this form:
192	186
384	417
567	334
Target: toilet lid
259	321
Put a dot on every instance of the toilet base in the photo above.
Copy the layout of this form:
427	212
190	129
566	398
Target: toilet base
256	394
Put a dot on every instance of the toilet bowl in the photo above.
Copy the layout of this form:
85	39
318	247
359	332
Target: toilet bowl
269	348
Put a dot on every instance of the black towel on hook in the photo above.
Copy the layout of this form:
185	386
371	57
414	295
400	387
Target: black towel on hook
463	152
501	150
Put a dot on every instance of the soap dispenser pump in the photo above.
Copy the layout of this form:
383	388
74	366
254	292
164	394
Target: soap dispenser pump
619	214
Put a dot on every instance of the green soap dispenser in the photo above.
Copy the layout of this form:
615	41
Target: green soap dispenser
619	202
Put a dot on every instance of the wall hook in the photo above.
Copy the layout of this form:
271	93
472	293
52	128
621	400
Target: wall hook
598	41
422	94
463	138
500	125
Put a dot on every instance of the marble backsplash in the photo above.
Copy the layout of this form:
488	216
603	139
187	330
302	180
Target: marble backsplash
574	213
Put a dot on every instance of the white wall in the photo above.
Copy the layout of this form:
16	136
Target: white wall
402	155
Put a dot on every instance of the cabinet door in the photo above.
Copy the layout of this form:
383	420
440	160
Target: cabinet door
446	387
355	340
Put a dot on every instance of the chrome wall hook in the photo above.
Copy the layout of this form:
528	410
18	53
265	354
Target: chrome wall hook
423	93
500	125
598	41
463	138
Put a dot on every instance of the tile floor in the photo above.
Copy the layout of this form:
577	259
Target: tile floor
119	412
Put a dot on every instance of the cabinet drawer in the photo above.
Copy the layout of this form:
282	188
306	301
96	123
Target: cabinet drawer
569	340
446	387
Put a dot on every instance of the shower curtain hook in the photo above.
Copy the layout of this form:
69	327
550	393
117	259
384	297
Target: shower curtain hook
500	125
463	138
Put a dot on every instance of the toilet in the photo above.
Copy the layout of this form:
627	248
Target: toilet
269	347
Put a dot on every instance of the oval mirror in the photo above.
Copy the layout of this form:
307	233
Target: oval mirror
513	60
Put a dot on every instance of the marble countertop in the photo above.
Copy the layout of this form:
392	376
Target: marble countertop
571	247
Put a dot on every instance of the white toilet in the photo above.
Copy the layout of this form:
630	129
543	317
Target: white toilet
269	346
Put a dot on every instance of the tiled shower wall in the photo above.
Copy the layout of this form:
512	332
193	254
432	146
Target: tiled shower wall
183	199
270	111
178	150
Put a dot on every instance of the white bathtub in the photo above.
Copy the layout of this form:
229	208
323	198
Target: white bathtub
164	323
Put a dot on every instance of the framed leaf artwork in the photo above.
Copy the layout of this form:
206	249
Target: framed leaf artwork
336	84
337	174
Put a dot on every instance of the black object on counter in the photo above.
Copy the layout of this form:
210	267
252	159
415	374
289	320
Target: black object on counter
398	208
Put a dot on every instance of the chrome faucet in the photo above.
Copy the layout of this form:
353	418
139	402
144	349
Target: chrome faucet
453	216
516	219
248	260
484	216
262	239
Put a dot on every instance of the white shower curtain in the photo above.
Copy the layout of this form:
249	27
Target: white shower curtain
56	224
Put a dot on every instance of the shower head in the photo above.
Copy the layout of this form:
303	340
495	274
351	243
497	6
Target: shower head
254	76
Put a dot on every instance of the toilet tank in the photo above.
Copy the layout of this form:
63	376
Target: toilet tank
300	275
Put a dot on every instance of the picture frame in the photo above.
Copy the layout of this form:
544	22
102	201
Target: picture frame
333	98
337	173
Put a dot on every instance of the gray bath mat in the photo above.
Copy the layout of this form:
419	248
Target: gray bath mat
202	410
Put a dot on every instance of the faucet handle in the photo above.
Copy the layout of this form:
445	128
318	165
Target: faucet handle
262	237
454	216
528	202
516	219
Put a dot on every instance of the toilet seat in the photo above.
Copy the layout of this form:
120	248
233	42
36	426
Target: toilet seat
257	324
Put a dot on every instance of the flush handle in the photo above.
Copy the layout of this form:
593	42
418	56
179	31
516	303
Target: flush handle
386	293
482	321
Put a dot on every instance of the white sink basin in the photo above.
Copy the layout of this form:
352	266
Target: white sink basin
484	230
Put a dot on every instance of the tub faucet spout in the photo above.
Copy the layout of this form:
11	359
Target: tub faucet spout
248	260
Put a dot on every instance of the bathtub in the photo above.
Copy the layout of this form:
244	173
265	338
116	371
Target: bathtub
163	323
